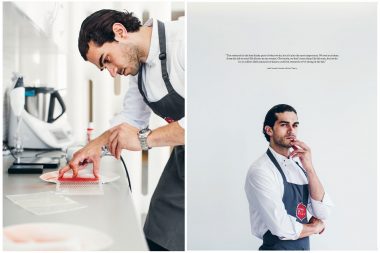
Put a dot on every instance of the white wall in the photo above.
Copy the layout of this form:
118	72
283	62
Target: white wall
227	103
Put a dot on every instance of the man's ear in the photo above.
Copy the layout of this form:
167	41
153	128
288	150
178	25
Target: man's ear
268	130
119	31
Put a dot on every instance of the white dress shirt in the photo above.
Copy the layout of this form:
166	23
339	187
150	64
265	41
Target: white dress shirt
135	112
264	188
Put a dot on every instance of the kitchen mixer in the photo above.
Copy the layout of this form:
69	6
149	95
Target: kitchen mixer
40	127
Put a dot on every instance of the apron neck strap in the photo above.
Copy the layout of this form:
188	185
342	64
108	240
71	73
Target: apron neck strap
274	161
163	56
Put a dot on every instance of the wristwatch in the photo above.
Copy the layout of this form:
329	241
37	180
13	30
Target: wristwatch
143	136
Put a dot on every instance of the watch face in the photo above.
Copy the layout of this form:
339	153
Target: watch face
143	131
143	135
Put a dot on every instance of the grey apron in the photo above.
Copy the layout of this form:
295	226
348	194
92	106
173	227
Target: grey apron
165	221
295	199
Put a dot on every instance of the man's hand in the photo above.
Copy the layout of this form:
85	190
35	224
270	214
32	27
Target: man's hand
315	226
302	151
81	158
123	136
319	224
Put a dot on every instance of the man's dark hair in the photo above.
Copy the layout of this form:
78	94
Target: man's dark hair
271	117
98	28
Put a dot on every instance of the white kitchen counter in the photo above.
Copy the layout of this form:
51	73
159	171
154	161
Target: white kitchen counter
113	213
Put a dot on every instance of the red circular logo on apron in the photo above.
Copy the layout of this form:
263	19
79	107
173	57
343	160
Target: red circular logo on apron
169	120
301	211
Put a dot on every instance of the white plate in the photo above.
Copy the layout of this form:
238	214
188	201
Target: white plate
54	236
52	177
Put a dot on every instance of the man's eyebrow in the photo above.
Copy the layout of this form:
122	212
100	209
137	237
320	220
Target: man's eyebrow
287	122
101	61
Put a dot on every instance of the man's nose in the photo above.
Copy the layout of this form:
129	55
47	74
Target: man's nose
112	70
291	129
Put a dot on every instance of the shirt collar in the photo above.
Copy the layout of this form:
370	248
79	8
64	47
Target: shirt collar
280	158
154	49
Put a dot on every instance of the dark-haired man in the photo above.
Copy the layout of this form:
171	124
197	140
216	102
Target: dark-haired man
282	185
153	54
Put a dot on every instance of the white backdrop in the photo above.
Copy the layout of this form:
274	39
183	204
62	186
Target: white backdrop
227	103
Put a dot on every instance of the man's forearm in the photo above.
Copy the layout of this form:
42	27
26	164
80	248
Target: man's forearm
169	135
304	153
308	229
101	140
315	187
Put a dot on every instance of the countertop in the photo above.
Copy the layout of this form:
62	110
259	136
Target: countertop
113	213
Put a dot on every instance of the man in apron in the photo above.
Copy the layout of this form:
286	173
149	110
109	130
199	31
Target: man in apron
153	55
282	185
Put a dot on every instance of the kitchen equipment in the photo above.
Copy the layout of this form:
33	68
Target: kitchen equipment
40	102
17	103
41	127
80	185
45	162
52	176
25	169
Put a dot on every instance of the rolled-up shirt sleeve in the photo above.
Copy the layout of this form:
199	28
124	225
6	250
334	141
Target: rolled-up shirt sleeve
182	123
320	209
181	62
135	111
264	193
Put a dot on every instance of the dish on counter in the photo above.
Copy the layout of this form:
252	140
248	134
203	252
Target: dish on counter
54	236
52	177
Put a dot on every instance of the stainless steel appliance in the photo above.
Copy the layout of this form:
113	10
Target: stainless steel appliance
40	102
44	124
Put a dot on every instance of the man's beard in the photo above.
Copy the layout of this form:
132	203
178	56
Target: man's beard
132	54
136	69
282	142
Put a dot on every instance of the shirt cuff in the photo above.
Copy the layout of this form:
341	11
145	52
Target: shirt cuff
298	228
182	123
321	209
293	234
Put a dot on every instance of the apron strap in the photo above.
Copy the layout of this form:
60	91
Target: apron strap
139	84
274	161
162	56
303	170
